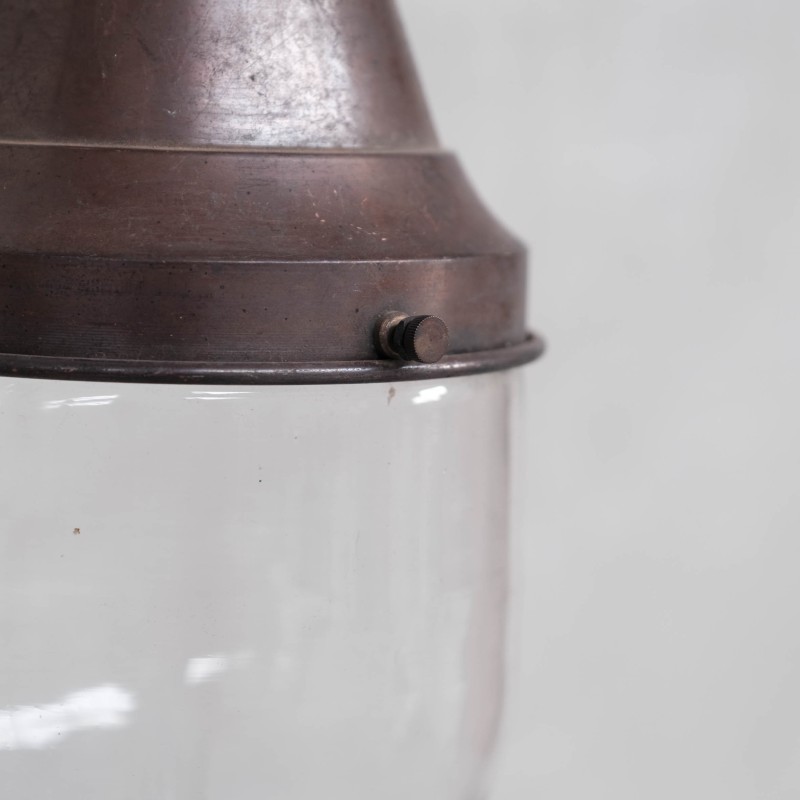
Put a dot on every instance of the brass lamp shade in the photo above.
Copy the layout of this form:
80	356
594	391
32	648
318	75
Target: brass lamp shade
234	191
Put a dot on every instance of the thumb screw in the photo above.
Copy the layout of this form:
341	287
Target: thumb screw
422	338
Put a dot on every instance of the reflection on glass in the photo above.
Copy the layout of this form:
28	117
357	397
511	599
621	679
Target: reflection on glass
35	727
81	402
431	395
206	668
216	395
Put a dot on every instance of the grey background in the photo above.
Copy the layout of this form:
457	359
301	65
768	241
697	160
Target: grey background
648	152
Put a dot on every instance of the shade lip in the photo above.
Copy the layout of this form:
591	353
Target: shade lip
269	373
232	258
70	257
223	149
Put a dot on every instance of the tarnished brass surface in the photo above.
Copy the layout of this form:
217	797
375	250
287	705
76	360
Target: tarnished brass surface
232	187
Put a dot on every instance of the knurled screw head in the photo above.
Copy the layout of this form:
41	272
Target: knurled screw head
422	338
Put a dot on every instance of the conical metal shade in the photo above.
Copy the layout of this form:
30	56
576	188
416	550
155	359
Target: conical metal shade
234	191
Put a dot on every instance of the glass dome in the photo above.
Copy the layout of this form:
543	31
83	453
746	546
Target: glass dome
293	592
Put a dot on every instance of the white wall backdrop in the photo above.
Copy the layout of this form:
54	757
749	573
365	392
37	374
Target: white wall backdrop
650	154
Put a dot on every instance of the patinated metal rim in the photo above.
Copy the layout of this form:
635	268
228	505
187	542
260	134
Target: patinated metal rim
239	264
298	373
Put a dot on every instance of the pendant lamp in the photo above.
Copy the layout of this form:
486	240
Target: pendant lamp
258	340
